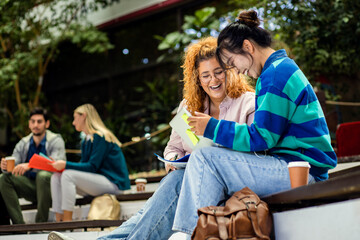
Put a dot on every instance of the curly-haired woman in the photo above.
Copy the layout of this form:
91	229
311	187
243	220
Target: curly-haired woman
211	90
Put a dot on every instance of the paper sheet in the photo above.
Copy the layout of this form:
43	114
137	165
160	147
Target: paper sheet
42	163
180	124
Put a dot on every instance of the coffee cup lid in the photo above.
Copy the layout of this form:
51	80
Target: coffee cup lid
299	164
10	158
140	180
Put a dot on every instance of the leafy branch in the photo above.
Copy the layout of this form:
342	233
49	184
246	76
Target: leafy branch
30	34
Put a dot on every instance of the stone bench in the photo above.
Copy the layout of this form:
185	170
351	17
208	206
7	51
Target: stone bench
58	226
78	224
343	187
323	210
121	197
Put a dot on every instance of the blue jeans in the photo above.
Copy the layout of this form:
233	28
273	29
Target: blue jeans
213	173
155	219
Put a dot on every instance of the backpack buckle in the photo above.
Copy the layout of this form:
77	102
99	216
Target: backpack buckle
250	202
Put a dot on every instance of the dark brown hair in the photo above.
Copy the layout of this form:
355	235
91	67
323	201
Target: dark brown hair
40	111
247	27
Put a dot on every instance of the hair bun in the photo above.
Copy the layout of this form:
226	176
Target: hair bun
249	18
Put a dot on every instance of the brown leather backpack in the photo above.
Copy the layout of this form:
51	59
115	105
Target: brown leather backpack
244	216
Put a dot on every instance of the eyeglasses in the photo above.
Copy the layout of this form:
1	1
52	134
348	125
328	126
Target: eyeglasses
218	74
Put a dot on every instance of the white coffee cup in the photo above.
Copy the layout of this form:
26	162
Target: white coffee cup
10	163
140	184
299	173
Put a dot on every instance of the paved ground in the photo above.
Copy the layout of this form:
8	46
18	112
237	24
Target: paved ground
75	235
43	236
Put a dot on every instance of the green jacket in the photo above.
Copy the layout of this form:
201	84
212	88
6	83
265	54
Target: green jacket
105	158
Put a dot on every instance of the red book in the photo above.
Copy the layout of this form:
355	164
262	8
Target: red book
42	163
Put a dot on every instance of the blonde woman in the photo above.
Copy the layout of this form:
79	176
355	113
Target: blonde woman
102	168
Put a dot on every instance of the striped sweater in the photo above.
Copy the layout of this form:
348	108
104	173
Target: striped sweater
288	122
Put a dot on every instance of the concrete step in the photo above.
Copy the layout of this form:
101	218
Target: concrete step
128	208
75	235
43	236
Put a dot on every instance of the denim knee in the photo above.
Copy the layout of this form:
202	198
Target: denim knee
174	180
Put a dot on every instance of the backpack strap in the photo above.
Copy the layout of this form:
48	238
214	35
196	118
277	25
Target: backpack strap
252	214
219	214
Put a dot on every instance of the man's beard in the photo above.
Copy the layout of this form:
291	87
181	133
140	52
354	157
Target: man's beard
38	133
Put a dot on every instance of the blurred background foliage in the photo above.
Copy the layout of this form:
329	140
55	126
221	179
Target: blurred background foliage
321	36
30	33
136	91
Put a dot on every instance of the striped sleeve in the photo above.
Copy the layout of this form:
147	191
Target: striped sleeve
269	123
274	110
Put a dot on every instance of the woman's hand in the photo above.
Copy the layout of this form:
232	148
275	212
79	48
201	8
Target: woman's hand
169	167
59	165
198	123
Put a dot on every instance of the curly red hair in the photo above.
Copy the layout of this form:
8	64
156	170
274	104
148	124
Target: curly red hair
193	93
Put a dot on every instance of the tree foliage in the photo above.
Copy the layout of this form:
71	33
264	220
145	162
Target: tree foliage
30	33
201	24
322	35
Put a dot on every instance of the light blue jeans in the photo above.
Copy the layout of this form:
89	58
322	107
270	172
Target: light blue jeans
213	173
155	219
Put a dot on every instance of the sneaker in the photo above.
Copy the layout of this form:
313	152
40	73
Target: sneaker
58	236
179	236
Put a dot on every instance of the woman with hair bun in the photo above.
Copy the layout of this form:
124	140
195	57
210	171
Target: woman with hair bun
289	125
102	168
